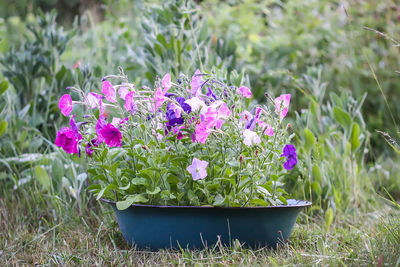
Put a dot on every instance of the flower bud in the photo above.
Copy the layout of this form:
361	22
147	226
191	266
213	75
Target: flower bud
256	152
241	159
145	147
289	128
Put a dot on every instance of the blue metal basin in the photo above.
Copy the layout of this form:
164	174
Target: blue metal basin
157	227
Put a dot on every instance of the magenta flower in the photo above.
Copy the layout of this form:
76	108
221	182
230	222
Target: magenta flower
282	105
67	140
65	104
100	125
251	138
109	91
268	130
198	169
123	91
223	111
289	151
129	103
166	82
159	98
93	100
196	83
202	132
89	147
111	134
244	91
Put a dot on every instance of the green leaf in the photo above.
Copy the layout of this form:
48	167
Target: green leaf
354	138
328	218
316	172
42	177
3	87
342	117
4	46
60	74
57	169
310	140
105	190
219	200
154	192
3	127
258	202
139	181
122	205
283	200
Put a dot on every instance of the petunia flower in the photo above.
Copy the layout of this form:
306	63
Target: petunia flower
268	130
158	99
195	103
251	138
67	140
166	82
65	104
111	134
198	169
196	83
202	132
289	151
244	91
129	103
90	145
186	107
93	100
246	117
282	105
109	91
123	91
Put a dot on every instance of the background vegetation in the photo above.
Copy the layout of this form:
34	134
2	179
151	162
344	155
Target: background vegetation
340	60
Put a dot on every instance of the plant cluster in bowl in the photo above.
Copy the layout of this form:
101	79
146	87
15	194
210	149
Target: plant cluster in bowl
194	141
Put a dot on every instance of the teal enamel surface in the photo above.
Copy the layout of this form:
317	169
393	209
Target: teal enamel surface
156	227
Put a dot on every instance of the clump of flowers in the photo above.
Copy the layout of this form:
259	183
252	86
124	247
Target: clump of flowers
193	141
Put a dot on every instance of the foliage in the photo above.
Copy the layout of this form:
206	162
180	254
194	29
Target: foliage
333	141
146	157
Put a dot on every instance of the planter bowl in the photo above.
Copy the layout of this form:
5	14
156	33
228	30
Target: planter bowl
158	227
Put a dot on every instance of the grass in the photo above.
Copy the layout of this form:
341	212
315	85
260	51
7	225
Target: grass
44	234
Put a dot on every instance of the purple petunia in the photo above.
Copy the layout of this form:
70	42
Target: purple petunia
186	107
289	151
173	119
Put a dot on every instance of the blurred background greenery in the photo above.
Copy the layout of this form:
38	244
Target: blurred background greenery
325	53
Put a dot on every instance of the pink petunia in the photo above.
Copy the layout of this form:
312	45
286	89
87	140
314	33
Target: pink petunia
281	105
65	104
129	102
93	100
244	91
251	138
268	128
196	83
166	82
123	91
223	111
109	91
67	140
202	132
198	169
111	134
159	98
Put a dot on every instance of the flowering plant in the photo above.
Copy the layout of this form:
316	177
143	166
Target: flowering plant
196	141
